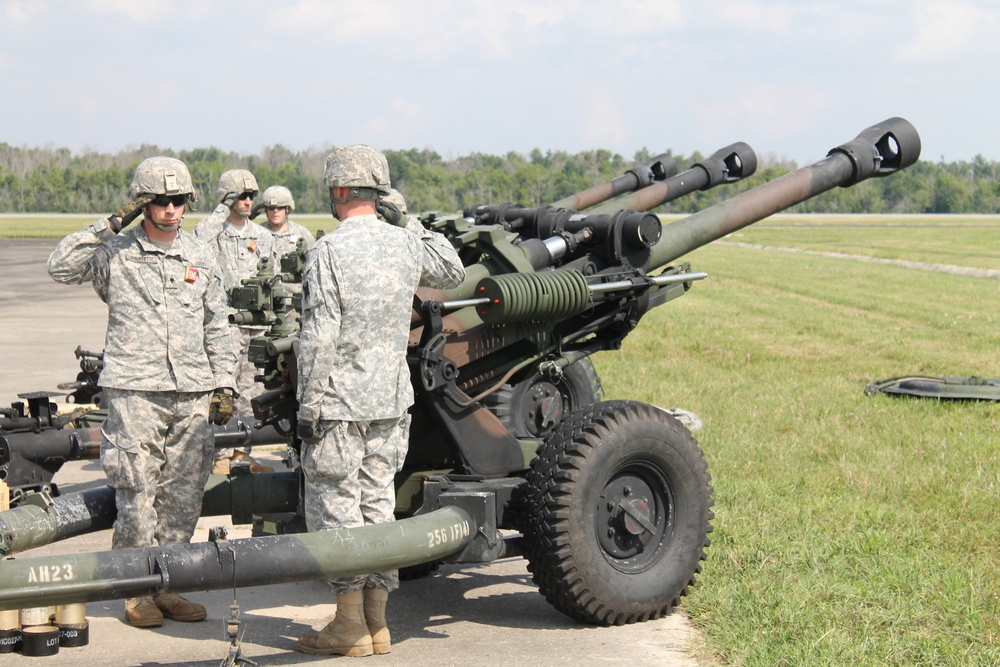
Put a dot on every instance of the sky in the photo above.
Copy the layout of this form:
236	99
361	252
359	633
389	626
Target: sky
793	78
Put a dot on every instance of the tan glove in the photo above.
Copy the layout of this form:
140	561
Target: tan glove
222	405
124	216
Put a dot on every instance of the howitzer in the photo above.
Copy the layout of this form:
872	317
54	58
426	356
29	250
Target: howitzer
35	442
726	165
85	388
610	501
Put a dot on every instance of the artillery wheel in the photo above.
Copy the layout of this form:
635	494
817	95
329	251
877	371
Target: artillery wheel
618	514
533	408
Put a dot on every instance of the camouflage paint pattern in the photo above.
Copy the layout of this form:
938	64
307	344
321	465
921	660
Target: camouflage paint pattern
349	482
168	346
156	452
161	176
235	181
239	250
358	288
288	237
278	195
167	321
357	166
255	561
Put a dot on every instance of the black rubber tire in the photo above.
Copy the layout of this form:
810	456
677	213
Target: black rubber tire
533	408
618	512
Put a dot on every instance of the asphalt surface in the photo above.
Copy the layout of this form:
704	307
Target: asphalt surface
460	615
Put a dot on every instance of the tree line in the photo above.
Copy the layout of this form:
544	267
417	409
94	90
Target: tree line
55	180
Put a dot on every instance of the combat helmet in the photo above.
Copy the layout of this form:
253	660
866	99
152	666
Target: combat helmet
278	195
396	199
161	176
359	167
236	181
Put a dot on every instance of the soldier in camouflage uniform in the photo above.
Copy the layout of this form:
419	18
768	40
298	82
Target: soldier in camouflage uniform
354	384
277	203
169	361
239	247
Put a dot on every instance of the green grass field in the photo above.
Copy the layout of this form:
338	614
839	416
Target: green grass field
849	529
14	225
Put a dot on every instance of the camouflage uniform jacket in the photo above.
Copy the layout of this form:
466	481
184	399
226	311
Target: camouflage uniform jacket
238	250
358	289
286	240
167	323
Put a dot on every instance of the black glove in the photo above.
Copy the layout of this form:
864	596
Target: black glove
229	199
124	216
222	406
255	211
388	212
308	432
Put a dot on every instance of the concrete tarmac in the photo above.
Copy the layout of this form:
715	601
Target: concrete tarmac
459	615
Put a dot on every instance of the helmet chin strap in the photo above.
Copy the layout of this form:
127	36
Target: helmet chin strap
165	228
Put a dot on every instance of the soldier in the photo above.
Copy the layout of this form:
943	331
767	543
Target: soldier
169	361
239	247
277	203
395	198
354	384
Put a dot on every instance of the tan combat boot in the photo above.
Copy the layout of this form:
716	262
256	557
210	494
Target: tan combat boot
176	608
375	600
255	466
346	634
142	613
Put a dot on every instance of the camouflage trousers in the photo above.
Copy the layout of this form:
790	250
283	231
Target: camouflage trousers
349	482
245	386
156	450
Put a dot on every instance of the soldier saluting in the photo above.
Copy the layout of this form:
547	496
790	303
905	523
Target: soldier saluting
169	361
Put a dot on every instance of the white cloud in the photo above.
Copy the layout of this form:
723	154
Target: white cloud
603	121
22	13
402	119
949	31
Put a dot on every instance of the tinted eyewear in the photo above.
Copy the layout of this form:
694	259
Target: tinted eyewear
166	200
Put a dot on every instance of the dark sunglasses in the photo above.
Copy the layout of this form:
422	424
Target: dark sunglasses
275	208
166	200
247	195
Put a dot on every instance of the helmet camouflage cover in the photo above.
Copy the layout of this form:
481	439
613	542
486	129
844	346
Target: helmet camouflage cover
396	199
236	181
278	195
161	176
357	166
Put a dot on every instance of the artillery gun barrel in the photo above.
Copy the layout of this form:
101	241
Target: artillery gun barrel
255	561
878	151
642	175
80	444
42	520
52	444
726	165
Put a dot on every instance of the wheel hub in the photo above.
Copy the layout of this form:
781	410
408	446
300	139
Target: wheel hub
632	518
544	407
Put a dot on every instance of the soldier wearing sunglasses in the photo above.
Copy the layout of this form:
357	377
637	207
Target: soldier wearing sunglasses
239	246
169	362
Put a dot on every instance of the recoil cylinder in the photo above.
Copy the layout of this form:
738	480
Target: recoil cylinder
533	297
